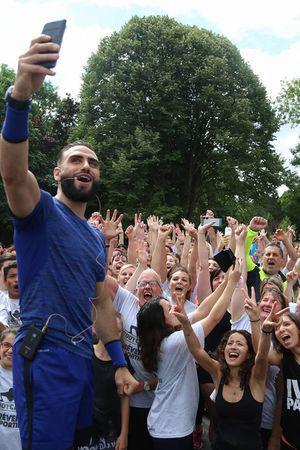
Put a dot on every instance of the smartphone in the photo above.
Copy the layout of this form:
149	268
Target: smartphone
225	259
56	31
218	222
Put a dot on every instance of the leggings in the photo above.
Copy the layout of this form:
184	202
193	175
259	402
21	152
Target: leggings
184	443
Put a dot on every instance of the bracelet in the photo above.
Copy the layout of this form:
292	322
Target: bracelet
266	332
255	320
16	127
114	349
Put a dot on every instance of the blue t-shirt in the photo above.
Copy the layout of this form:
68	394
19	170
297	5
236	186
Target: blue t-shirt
60	259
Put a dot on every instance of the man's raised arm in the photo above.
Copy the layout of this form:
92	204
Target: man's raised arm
20	185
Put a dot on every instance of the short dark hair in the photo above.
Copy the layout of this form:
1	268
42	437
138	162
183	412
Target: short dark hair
72	144
7	257
274	244
6	269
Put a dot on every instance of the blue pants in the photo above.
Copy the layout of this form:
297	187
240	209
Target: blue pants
62	392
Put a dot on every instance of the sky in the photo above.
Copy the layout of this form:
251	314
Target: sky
267	33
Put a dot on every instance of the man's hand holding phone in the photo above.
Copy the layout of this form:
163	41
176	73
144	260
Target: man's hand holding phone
35	64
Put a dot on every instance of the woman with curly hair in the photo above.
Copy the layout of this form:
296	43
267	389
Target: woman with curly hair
239	378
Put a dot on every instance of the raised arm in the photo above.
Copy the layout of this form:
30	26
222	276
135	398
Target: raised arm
203	282
207	304
153	227
200	355
285	239
237	301
291	277
192	265
259	372
159	257
185	250
233	224
131	248
222	304
20	185
256	224
142	257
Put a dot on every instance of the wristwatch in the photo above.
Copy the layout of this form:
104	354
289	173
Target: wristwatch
147	386
14	103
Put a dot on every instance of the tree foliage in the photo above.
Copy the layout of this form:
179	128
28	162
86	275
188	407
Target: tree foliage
288	108
180	122
51	120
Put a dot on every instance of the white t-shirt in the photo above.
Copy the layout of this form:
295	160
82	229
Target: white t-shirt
128	305
3	297
9	431
174	409
268	412
10	312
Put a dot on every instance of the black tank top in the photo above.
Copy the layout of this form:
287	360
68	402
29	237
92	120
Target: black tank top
290	415
238	424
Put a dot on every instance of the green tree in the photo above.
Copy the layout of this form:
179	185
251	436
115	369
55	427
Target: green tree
180	121
288	111
51	121
288	108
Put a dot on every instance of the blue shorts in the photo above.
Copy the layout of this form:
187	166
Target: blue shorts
62	390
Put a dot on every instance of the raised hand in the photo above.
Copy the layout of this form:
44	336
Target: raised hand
291	233
164	231
139	227
30	75
292	277
232	223
202	229
153	223
178	310
109	225
271	320
94	219
280	235
258	223
241	233
142	252
235	272
250	305
179	233
187	225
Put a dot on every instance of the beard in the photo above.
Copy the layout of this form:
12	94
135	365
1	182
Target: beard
77	194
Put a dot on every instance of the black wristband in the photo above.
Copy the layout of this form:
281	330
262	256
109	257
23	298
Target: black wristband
19	105
257	320
266	332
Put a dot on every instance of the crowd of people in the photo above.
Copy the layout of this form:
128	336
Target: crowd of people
197	339
115	339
